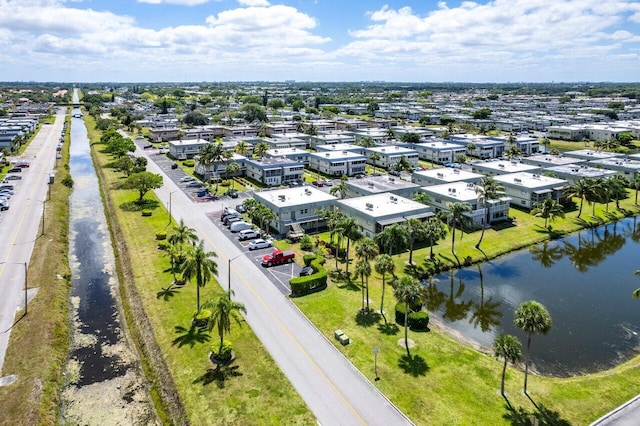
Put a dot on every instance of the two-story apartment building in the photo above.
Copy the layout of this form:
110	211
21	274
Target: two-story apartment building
441	152
444	175
337	163
391	154
186	148
380	184
525	189
274	171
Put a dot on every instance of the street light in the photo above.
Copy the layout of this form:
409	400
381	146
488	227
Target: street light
170	217
375	362
229	272
25	281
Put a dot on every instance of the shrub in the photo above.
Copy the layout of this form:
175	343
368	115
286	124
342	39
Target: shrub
189	163
163	245
201	318
419	320
225	183
301	286
68	181
399	309
161	235
308	258
147	212
221	353
306	243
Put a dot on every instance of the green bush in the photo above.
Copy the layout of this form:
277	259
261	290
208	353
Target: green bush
306	243
161	235
163	245
301	286
68	181
189	163
201	318
221	353
419	320
308	258
147	212
399	309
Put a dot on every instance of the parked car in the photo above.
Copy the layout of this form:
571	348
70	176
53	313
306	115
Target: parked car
4	205
232	193
148	146
307	270
174	166
231	220
240	226
15	170
240	208
278	257
13	177
318	183
360	176
248	234
328	182
23	165
187	179
394	173
194	184
260	244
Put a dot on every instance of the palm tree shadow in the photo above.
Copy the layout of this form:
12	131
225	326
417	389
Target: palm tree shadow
543	416
389	329
367	318
348	284
190	336
414	365
220	375
167	293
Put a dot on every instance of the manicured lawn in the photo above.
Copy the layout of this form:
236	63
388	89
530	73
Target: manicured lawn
252	389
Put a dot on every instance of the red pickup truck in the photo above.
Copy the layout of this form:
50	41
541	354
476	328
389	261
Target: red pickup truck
278	257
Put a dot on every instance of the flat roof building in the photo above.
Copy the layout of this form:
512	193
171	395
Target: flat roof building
444	175
573	172
501	167
441	152
379	184
274	171
391	154
525	188
548	160
337	163
589	154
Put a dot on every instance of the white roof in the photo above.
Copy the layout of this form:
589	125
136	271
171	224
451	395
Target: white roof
384	204
392	150
530	180
460	191
448	174
336	155
297	196
505	166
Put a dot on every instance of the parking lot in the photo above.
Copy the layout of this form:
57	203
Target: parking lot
10	185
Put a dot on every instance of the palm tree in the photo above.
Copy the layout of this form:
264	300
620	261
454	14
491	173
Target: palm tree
581	188
422	198
174	252
366	249
548	209
375	157
409	291
389	135
231	169
617	189
403	165
341	188
532	318
471	147
546	143
199	263
260	149
417	231
635	185
383	265
366	142
392	238
351	230
182	236
223	310
435	231
242	148
510	349
456	217
487	189
363	268
213	153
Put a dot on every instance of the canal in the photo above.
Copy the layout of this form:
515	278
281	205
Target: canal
585	281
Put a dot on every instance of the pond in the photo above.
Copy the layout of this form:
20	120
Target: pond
585	281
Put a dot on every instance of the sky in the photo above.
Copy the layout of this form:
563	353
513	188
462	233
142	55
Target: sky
320	40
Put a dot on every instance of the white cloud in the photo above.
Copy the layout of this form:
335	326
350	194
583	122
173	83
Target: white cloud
254	2
177	2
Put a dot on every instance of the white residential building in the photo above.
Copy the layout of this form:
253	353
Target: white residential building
378	184
525	188
338	163
274	171
441	152
444	175
391	154
501	167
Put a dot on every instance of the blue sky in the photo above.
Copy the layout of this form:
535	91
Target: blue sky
319	40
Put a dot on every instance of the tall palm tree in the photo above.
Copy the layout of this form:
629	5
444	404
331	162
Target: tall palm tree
231	169
242	148
409	291
366	249
532	318
174	253
351	230
366	142
487	189
422	198
363	268
417	231
435	231
341	188
260	149
581	188
403	165
199	264
223	311
392	238
508	348
383	265
375	157
546	143
457	217
549	209
213	153
183	236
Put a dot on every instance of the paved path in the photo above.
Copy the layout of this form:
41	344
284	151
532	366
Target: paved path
628	414
335	391
20	225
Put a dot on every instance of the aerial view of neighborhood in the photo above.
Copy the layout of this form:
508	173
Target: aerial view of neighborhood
242	212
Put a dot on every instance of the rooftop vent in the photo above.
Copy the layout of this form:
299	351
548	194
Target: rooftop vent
281	197
516	180
440	175
370	184
369	206
456	171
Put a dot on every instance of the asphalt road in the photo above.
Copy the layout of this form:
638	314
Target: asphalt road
21	224
335	391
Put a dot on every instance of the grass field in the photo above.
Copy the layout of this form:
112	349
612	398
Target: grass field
252	390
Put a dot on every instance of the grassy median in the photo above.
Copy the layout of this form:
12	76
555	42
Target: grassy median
250	390
39	342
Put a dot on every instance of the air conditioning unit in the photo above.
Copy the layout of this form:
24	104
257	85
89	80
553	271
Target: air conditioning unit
369	206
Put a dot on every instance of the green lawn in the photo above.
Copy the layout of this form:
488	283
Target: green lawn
252	389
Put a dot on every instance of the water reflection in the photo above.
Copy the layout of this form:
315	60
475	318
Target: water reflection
585	282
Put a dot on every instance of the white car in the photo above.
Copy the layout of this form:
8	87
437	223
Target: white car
260	244
187	179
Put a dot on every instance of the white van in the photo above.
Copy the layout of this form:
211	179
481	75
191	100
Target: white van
240	226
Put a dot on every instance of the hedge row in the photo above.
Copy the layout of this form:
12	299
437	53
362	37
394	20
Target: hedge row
417	320
301	286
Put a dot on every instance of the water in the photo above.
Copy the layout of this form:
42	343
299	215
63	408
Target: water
585	281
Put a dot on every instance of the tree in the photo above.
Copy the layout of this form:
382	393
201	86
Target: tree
548	209
417	231
231	169
297	105
481	114
392	238
363	268
487	189
532	318
408	290
434	231
366	249
366	142
223	311
546	143
372	107
276	104
260	149
142	182
242	148
351	229
508	348
195	118
410	137
199	264
213	153
457	217
422	198
341	188
254	112
581	188
383	265
403	165
375	157
635	185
